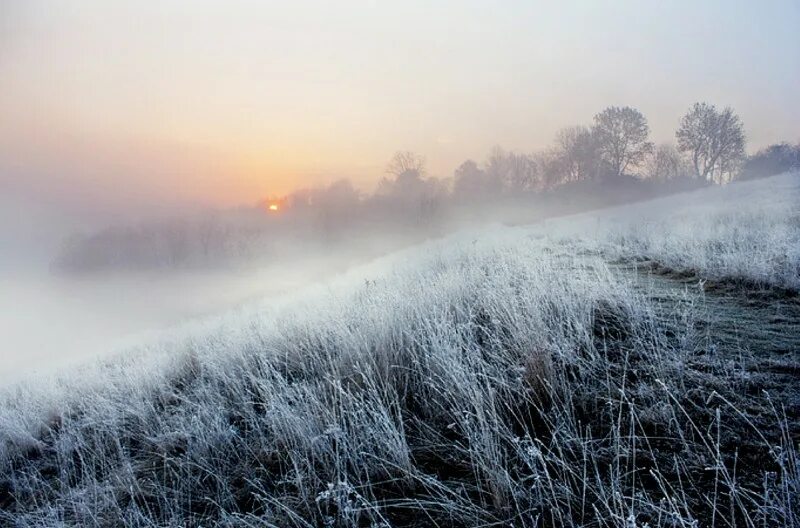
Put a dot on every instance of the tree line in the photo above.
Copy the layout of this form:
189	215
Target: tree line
612	153
710	147
608	162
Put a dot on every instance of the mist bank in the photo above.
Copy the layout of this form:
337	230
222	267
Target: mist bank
51	322
608	163
336	221
115	288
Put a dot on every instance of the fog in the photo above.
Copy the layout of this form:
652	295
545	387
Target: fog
84	279
112	292
52	320
399	263
235	151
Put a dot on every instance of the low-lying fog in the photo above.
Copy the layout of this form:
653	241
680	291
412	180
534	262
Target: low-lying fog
67	299
50	320
76	284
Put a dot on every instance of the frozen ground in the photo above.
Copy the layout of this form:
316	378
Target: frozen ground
635	367
748	231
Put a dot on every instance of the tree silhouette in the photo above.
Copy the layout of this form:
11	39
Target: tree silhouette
621	138
714	141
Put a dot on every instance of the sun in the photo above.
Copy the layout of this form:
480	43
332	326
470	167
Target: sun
273	205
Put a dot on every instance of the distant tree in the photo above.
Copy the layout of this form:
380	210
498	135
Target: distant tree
341	194
714	141
301	199
621	137
336	206
511	171
549	167
577	154
497	167
337	200
407	192
522	174
665	164
471	182
406	162
775	159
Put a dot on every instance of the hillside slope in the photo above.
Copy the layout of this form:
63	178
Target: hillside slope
528	376
747	231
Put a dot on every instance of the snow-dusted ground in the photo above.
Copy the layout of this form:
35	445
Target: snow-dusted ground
506	375
747	231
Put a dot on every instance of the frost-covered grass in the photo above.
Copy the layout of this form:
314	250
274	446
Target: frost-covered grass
746	231
491	379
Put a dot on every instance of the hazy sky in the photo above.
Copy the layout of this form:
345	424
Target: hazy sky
133	103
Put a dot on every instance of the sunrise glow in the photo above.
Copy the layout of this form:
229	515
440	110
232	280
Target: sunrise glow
223	102
399	264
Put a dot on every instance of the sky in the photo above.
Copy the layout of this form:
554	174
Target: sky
129	106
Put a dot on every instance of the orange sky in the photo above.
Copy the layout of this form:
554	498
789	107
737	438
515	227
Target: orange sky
226	102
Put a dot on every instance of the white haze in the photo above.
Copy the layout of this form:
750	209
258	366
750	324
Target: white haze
49	320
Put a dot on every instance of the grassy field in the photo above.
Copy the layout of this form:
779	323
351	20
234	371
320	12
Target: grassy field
744	232
588	371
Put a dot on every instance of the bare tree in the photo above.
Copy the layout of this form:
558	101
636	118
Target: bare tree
666	164
621	136
523	173
511	171
409	193
577	154
714	141
406	162
496	167
549	165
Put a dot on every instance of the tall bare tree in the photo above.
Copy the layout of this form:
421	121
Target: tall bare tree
621	134
714	141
